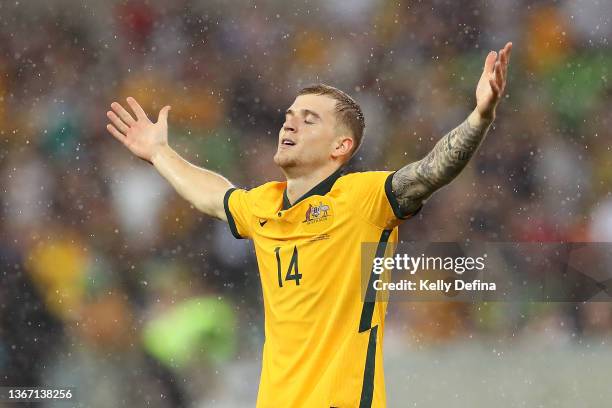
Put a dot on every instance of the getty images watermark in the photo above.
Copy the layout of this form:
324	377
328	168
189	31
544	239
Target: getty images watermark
413	264
487	271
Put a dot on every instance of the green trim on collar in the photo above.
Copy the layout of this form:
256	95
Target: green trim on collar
321	189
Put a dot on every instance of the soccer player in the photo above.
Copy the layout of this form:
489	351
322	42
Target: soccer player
323	343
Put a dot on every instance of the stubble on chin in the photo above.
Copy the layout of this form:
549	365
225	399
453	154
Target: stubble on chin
284	161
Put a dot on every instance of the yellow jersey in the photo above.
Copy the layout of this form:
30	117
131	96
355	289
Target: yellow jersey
323	343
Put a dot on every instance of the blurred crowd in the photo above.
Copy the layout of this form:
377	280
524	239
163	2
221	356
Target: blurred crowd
113	284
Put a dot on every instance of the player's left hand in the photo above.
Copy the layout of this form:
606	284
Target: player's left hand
492	82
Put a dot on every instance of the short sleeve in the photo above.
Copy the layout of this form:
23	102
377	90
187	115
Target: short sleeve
375	198
238	212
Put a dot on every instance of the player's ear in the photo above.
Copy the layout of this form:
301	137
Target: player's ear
343	146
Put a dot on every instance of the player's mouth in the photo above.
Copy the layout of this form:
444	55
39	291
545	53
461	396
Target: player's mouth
287	142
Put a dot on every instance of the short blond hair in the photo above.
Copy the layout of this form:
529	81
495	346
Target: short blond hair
348	112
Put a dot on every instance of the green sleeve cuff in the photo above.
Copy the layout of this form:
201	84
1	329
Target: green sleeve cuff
397	211
228	214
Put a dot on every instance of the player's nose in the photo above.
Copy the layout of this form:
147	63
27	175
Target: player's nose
289	127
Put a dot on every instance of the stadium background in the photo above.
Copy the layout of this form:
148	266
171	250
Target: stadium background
112	284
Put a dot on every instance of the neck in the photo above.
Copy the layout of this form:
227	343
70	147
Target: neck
300	184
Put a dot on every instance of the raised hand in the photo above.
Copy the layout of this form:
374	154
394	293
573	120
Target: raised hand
141	136
492	82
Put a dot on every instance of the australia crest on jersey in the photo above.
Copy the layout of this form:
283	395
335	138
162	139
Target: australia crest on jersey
317	213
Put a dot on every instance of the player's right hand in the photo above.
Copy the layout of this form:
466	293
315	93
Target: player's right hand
141	136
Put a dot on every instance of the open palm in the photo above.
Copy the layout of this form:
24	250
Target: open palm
492	82
141	136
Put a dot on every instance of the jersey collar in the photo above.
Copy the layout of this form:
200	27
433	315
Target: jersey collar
322	188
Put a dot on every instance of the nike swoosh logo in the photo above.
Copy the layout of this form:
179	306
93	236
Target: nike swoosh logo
262	223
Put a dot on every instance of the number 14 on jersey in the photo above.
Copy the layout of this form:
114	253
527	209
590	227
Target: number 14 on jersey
293	273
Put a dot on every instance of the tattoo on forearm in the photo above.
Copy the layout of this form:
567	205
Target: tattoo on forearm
417	181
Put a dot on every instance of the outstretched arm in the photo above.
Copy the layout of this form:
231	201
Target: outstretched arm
204	189
415	182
